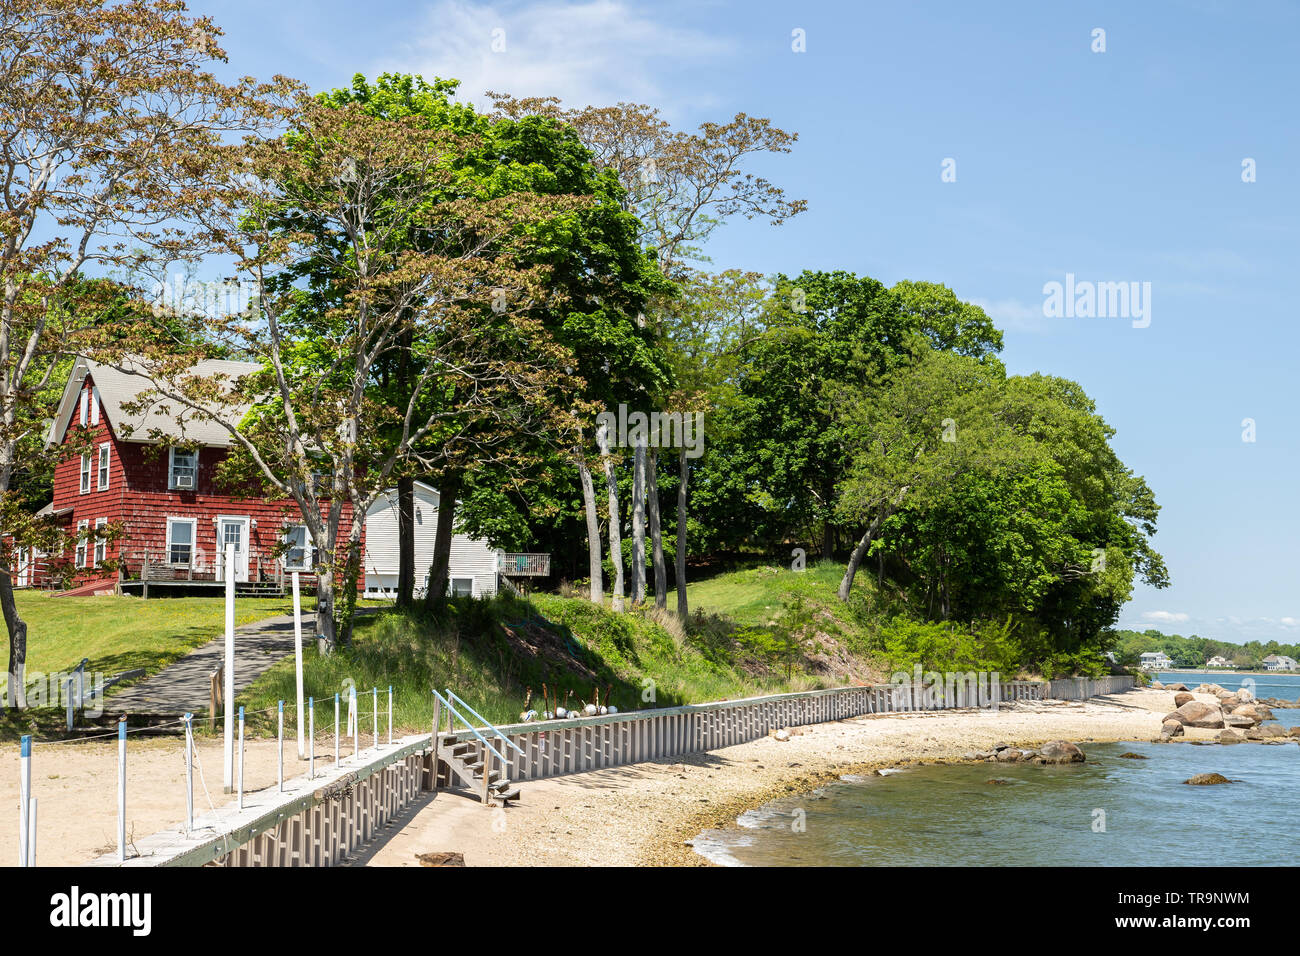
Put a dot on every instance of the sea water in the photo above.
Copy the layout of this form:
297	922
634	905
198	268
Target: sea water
1107	811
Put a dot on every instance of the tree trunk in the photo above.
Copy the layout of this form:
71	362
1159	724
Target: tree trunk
656	532
351	574
17	628
405	542
325	634
593	531
859	552
615	533
680	564
638	524
828	540
439	571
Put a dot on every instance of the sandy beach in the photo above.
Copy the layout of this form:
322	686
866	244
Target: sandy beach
635	815
642	815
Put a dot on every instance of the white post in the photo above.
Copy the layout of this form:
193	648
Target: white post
121	789
280	746
24	794
390	715
229	743
336	729
374	717
67	687
241	758
297	657
353	721
31	834
311	738
189	774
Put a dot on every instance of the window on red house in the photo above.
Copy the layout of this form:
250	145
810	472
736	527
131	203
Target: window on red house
85	474
103	466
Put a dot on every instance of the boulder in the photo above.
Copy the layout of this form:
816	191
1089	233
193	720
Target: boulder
1131	756
1059	751
1205	779
1273	730
1196	714
1000	745
1254	733
1230	736
1295	731
1183	698
1009	755
1171	728
1238	721
1181	687
446	858
1156	685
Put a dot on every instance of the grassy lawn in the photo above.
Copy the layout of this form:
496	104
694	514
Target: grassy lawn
124	633
754	595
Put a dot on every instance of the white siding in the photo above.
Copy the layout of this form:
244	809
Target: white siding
470	557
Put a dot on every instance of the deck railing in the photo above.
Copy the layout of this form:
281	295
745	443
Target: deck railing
524	564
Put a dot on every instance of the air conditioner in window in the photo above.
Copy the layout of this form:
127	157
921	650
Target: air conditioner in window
184	481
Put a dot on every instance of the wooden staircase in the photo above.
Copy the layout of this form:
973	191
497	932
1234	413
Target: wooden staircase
465	761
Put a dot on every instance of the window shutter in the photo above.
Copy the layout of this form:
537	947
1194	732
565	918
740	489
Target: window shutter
85	405
94	406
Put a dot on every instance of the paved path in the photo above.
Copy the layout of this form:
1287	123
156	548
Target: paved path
185	685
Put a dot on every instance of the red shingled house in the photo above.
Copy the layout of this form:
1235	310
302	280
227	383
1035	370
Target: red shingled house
176	519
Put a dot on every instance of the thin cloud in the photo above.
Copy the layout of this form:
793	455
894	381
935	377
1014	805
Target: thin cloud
595	53
1014	315
1165	617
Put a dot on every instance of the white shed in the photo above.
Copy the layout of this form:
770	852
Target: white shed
473	563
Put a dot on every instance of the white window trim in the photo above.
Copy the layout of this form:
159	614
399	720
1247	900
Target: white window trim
451	585
194	534
308	550
86	471
104	470
100	553
171	470
79	557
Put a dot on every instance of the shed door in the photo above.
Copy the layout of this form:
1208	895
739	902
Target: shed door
232	531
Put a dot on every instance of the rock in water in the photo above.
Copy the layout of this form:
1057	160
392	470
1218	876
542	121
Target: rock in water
1196	714
1205	779
1171	728
441	859
1060	751
1230	736
1131	756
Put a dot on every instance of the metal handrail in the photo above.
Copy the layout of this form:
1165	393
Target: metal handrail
454	714
487	723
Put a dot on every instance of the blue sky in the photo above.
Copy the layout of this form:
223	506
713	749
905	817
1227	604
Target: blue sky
1115	166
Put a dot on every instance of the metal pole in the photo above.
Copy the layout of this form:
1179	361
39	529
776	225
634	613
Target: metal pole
24	794
297	657
280	746
229	740
241	757
121	789
311	738
189	774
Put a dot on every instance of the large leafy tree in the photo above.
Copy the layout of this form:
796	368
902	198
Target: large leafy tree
115	140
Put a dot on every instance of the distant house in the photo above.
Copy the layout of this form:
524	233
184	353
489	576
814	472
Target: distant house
1218	661
476	568
1279	662
1155	660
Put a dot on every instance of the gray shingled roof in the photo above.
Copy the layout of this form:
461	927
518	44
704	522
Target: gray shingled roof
118	387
